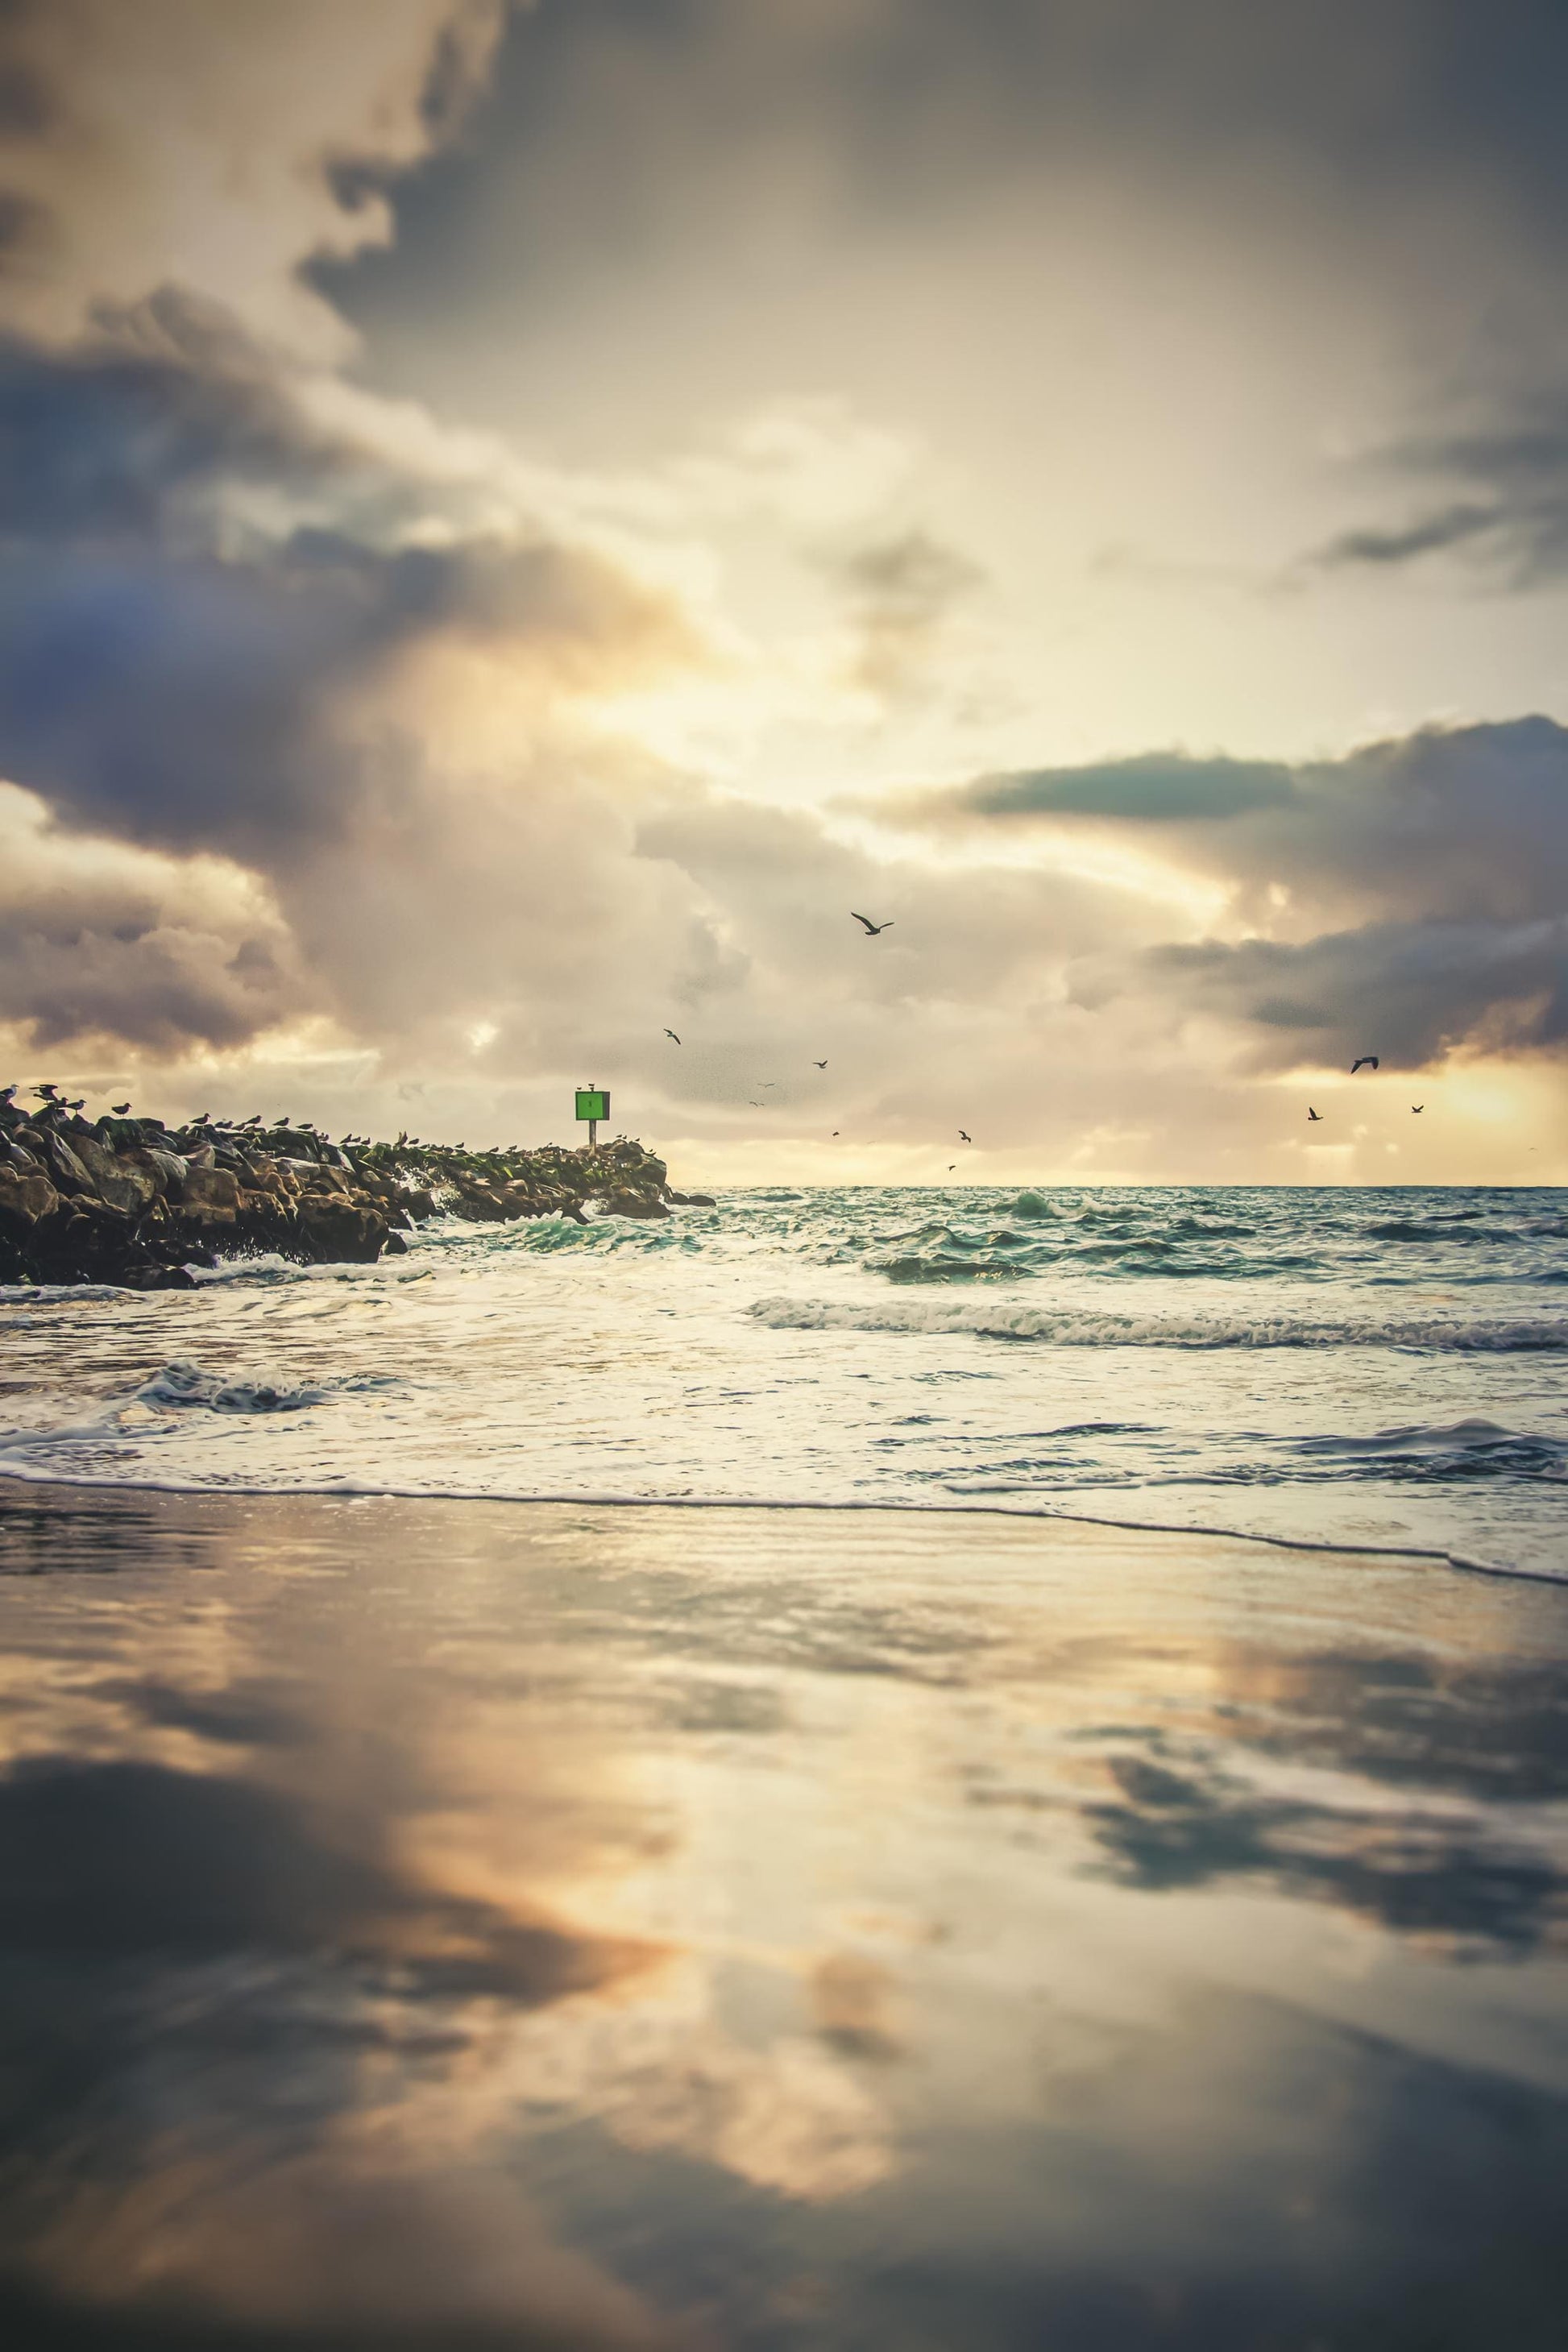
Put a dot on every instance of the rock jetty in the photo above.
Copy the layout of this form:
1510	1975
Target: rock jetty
137	1203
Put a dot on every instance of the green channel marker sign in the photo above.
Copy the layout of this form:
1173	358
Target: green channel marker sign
592	1104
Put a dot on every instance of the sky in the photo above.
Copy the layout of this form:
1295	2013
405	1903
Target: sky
515	520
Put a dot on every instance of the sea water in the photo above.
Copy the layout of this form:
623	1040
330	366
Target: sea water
1350	1367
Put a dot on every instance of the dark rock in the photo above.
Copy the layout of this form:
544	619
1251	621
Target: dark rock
66	1171
340	1232
119	1182
634	1204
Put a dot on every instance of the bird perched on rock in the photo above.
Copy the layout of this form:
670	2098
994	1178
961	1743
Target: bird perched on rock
873	931
120	1109
1312	1114
1363	1062
670	1034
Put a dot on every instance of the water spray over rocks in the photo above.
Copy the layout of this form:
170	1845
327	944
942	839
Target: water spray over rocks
135	1203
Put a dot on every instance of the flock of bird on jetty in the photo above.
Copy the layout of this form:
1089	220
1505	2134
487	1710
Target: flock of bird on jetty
136	1203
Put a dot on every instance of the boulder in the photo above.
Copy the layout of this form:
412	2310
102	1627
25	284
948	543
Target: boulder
24	1199
632	1204
119	1182
65	1171
167	1168
339	1231
211	1188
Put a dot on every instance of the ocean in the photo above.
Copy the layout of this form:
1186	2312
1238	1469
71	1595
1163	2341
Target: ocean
1358	1369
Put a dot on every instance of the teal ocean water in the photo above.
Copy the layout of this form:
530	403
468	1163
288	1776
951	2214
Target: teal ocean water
1354	1367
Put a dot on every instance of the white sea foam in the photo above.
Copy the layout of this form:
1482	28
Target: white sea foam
1007	1318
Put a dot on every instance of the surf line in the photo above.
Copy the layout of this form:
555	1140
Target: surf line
349	1490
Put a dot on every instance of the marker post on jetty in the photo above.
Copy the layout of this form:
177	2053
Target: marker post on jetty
592	1104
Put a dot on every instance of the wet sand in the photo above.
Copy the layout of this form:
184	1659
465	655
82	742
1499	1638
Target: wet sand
479	1925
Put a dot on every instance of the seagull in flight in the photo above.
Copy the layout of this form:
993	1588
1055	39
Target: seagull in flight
1363	1062
1417	1108
1312	1113
873	931
819	1065
670	1032
963	1138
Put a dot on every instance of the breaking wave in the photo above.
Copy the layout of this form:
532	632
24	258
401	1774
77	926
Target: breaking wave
1070	1327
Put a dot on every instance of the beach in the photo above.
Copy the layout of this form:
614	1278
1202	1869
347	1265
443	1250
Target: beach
432	1923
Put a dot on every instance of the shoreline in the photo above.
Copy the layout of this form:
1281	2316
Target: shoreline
1027	1514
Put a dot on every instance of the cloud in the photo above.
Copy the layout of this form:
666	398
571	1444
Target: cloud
1158	788
903	592
1419	885
215	148
100	942
174	670
1511	526
1420	991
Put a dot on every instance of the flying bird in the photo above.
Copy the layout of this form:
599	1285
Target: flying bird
836	1130
47	1091
950	1166
819	1065
670	1032
873	931
1365	1061
964	1139
1417	1108
1312	1113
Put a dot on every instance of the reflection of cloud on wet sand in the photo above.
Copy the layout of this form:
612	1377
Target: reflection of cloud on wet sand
303	2253
1423	1871
651	2064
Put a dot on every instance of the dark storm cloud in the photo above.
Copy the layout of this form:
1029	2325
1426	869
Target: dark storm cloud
1161	787
93	964
167	675
1455	822
106	440
1422	989
1430	874
900	104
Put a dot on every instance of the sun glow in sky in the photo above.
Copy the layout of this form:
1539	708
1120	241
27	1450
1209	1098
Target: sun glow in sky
518	518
